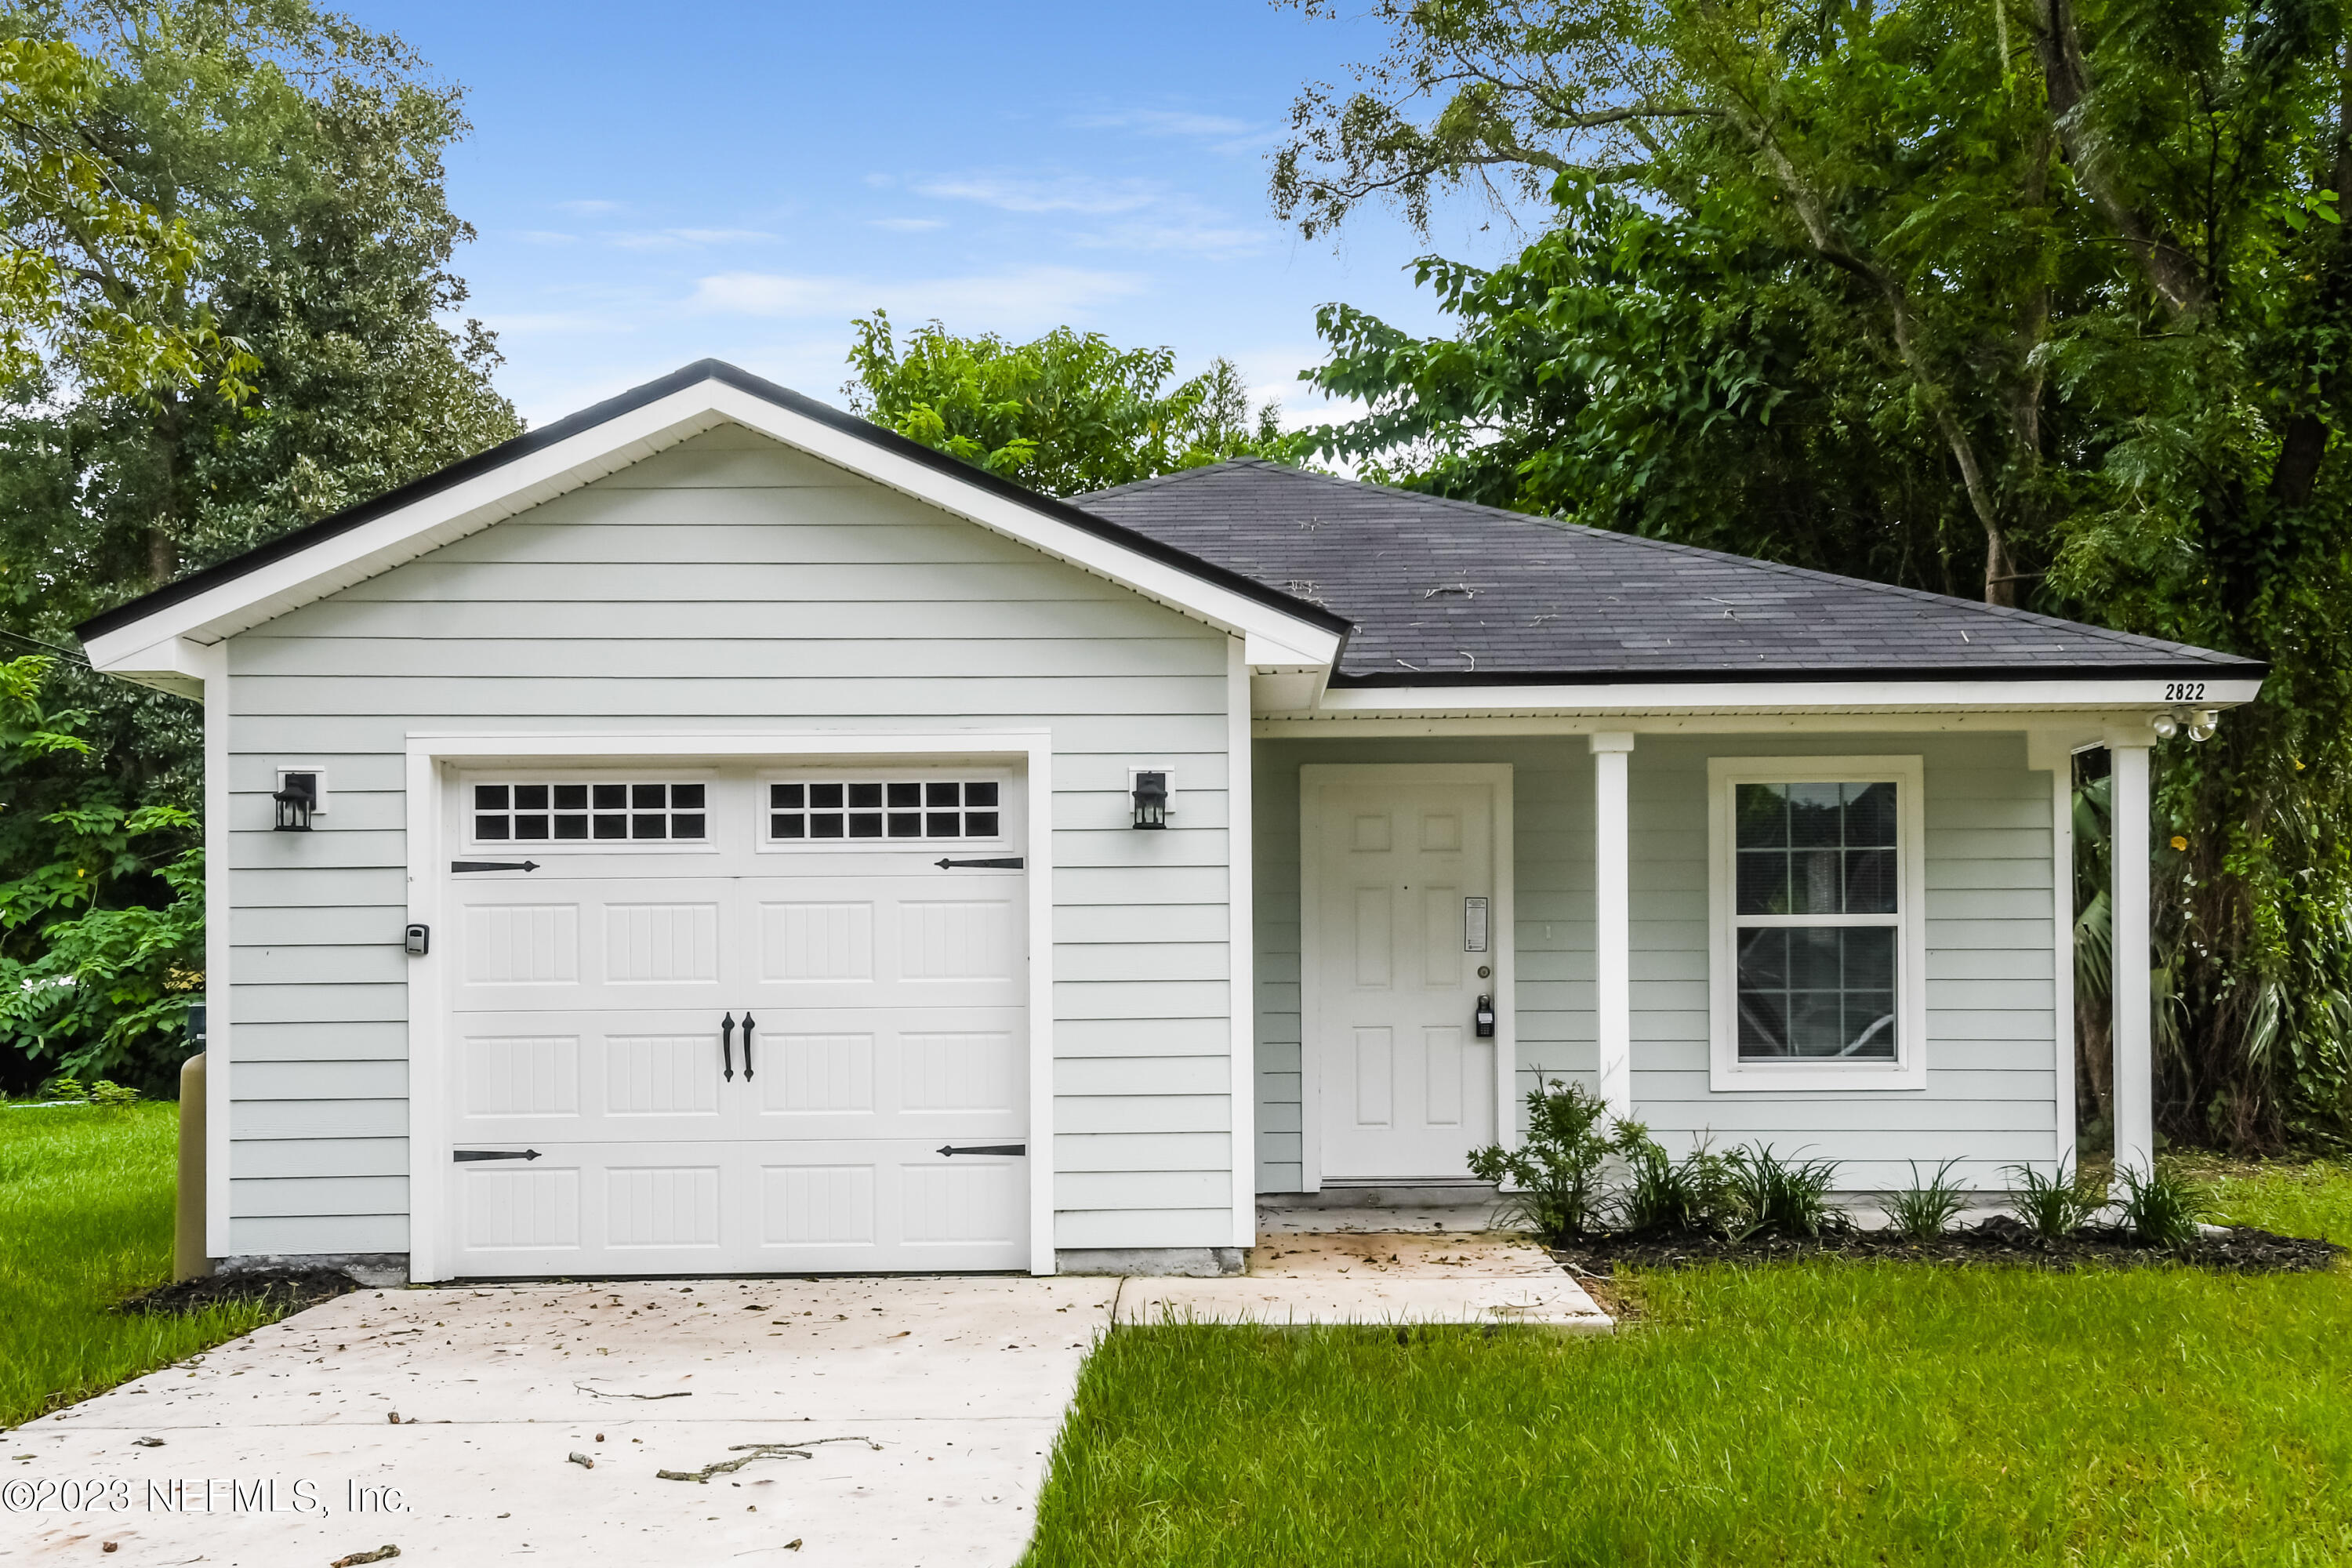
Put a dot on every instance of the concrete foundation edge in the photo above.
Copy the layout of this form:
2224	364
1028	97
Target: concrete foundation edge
1154	1262
377	1268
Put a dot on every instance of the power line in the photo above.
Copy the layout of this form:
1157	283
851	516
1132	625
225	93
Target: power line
79	659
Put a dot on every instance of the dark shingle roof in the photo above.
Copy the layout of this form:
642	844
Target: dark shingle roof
1446	592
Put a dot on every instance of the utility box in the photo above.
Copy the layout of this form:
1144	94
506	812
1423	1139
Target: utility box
189	1258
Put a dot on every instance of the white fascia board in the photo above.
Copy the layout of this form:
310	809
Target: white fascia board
1787	697
1267	655
174	665
451	514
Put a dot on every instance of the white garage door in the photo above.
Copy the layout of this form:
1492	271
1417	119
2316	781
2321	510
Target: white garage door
745	1019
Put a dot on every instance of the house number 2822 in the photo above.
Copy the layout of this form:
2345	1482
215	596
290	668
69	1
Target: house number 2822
2184	691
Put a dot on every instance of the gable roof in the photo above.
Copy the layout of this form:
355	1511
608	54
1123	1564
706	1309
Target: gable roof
1442	592
401	524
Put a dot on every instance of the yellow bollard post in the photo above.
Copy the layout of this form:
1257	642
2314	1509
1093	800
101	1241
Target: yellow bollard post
189	1258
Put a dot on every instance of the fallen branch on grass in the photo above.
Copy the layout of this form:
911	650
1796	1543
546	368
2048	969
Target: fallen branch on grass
751	1451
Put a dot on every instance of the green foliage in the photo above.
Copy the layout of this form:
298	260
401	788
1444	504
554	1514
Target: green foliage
1763	1193
1558	1181
2054	1207
1810	1414
2163	1208
92	981
2046	303
1923	1211
87	271
1066	414
1553	1181
86	1215
300	156
1663	1195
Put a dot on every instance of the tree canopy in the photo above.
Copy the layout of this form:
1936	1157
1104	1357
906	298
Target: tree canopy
252	339
1065	414
2044	301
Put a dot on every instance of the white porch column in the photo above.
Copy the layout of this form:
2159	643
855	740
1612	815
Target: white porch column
2135	1056
1613	923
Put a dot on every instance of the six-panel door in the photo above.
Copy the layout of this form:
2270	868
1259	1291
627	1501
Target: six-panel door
1405	879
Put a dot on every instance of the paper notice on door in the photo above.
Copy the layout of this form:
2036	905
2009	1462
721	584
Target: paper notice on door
1474	925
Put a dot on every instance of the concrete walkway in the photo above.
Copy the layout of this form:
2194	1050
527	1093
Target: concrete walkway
900	1421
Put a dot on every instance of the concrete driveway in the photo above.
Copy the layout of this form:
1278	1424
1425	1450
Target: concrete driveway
911	1420
870	1421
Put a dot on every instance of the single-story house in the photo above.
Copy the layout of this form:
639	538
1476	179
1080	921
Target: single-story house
713	835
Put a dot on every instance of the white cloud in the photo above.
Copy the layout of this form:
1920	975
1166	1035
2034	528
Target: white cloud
588	208
1164	122
1006	302
908	224
545	237
1062	193
685	238
1205	238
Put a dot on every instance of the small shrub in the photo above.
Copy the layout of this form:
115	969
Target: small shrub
1661	1194
2054	1207
62	1086
1557	1172
2162	1207
105	1093
1763	1192
1921	1213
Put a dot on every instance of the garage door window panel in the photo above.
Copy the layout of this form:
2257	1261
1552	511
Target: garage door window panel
549	812
851	810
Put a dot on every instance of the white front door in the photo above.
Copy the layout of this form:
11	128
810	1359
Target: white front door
1405	938
742	1017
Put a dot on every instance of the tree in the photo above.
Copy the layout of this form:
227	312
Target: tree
96	970
2044	299
90	277
300	156
1066	414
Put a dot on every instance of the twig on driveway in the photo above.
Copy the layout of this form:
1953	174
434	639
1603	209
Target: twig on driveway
751	1451
607	1394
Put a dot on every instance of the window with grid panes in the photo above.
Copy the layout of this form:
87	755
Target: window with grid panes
1816	919
831	809
586	812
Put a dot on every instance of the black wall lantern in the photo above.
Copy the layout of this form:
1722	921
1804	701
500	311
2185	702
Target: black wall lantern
1150	799
297	797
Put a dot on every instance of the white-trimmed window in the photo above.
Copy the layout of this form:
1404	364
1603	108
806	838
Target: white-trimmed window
1816	866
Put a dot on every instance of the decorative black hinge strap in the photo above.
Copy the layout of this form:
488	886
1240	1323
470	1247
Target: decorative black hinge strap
494	865
985	1148
1003	863
464	1155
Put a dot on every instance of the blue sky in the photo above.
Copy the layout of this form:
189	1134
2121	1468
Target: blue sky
655	183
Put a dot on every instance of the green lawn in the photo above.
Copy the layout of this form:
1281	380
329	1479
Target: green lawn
85	1220
1805	1414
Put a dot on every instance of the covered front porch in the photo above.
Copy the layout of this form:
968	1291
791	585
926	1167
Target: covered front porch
1843	934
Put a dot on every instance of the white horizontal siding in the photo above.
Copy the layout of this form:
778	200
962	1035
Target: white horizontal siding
724	585
1552	815
1990	1100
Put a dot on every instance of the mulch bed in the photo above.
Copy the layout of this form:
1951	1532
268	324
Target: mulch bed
289	1289
1997	1240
